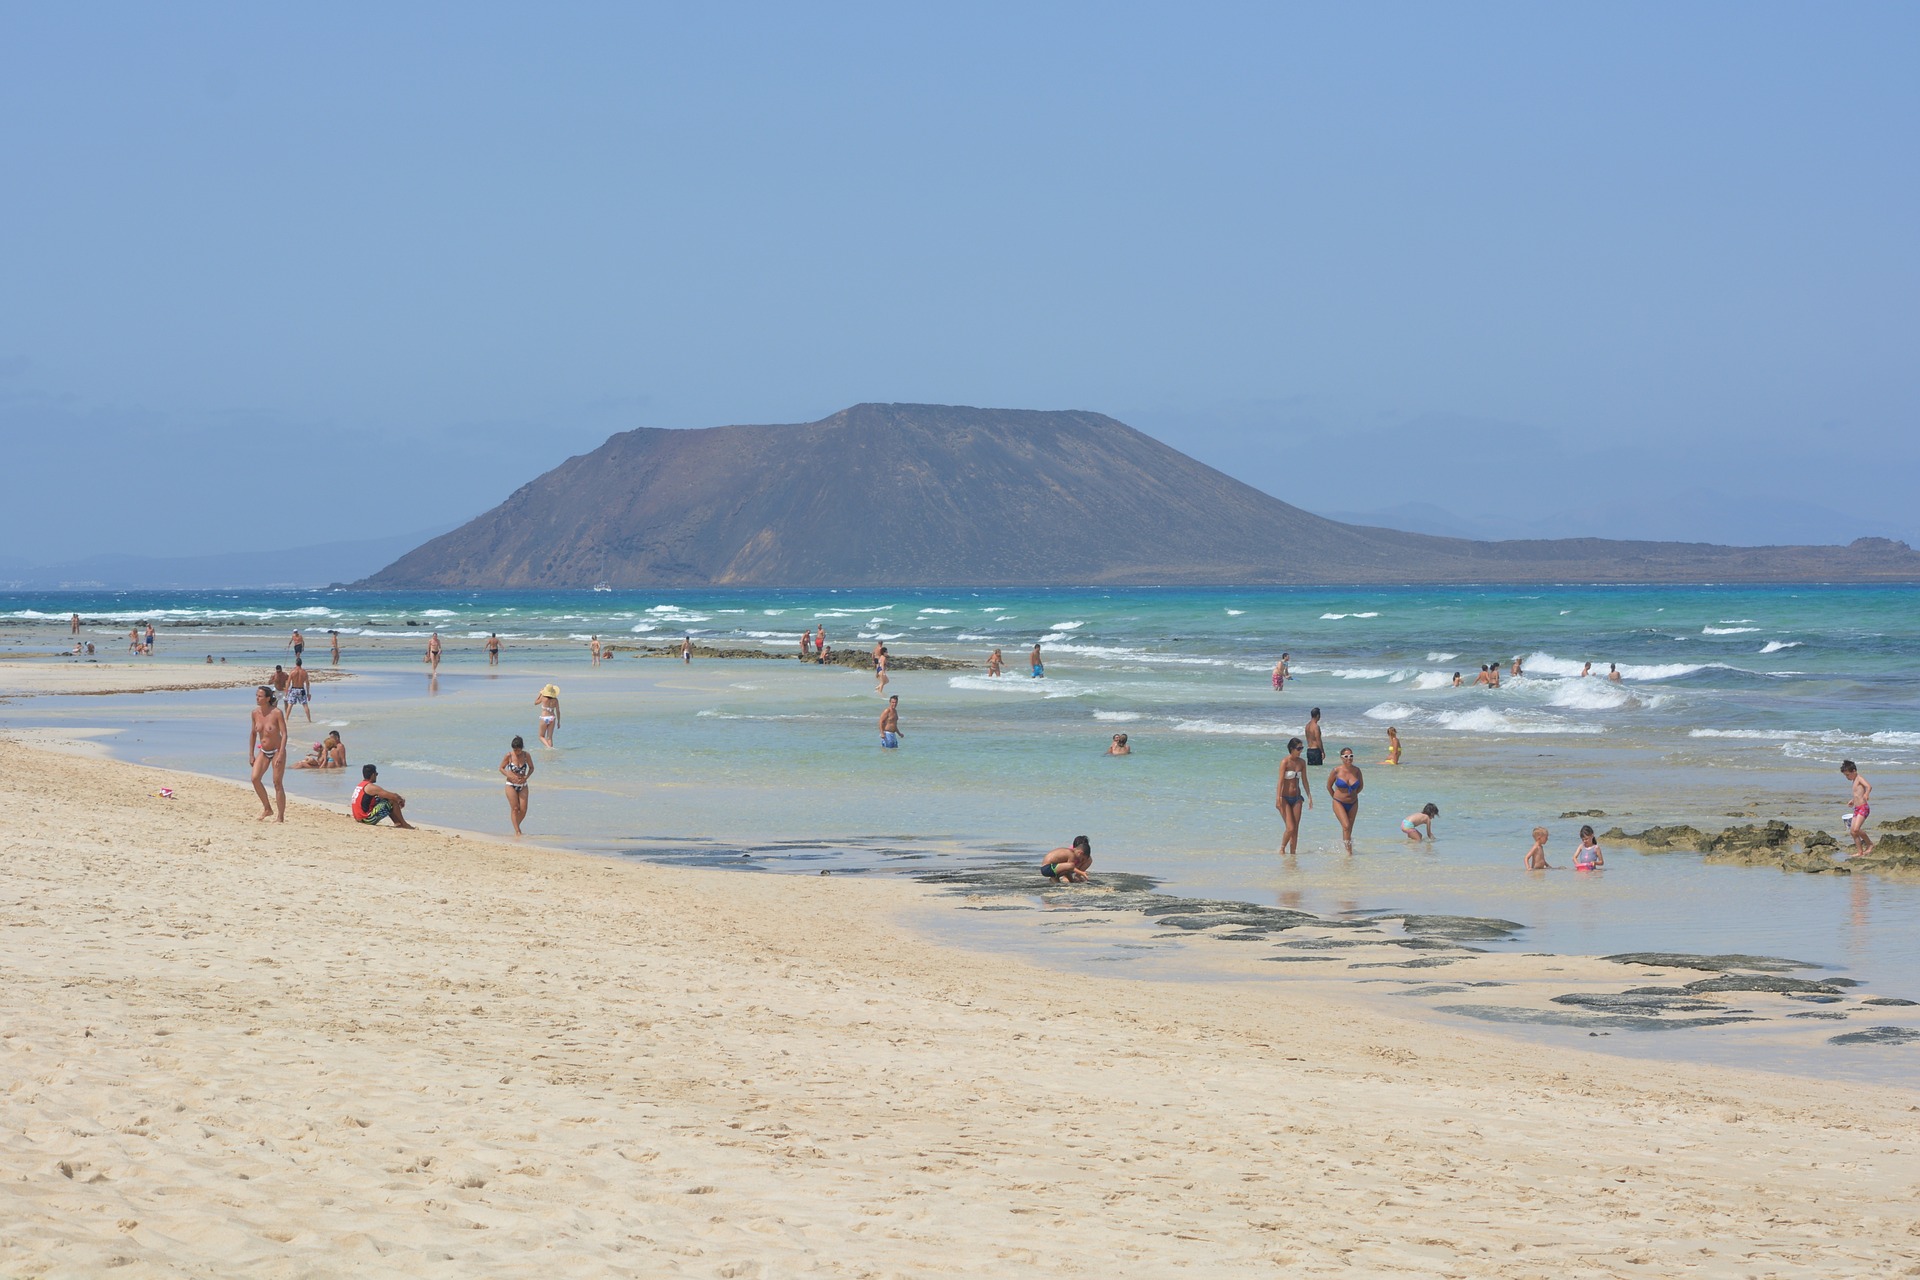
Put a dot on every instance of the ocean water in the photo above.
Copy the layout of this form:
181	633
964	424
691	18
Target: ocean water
1737	704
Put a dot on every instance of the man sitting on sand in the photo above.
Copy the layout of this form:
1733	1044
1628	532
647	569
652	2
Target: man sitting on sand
372	802
1070	864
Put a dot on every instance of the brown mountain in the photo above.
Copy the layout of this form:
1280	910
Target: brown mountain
942	495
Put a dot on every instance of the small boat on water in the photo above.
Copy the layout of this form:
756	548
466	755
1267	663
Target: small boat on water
601	586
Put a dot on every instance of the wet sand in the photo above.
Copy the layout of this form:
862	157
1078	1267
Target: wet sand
234	1048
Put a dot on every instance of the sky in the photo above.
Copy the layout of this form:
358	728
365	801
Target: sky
273	276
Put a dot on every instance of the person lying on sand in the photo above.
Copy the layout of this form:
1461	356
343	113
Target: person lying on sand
1070	863
372	802
1537	856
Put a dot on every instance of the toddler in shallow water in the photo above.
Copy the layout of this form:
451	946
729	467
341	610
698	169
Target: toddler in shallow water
1588	856
1412	823
1537	856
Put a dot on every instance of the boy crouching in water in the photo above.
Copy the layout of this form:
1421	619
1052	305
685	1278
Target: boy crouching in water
1069	864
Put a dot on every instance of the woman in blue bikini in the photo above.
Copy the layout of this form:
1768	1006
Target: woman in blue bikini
1344	785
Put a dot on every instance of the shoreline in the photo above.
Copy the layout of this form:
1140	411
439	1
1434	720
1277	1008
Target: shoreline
322	1044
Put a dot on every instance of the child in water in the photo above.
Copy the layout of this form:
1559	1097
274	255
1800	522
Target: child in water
1393	746
1537	856
1119	747
1588	856
1412	823
1071	863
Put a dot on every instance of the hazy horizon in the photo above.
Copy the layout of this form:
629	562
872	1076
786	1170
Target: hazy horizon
292	278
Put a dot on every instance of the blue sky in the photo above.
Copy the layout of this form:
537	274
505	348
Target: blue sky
289	275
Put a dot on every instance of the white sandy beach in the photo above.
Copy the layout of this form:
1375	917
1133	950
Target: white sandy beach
243	1049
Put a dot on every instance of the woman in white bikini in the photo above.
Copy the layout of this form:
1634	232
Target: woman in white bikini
1291	792
267	749
517	767
549	703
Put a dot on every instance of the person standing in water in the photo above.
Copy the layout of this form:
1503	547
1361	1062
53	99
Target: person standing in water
548	700
493	649
1588	856
300	688
1613	673
1289	796
1393	746
517	767
279	680
593	649
993	663
806	645
267	749
820	644
73	625
890	723
149	639
1280	674
1516	666
1586	669
334	637
1862	802
1119	747
297	643
686	649
879	668
433	651
1316	749
1344	785
1039	669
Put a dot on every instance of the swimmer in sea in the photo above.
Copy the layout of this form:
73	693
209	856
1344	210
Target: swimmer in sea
1316	748
1290	794
267	749
548	700
1070	863
1119	746
1412	823
1493	675
1862	801
686	649
1344	785
493	649
1482	677
517	767
1588	856
993	663
1280	674
1457	681
890	723
1516	666
1039	670
1586	669
1613	673
1393	746
1537	855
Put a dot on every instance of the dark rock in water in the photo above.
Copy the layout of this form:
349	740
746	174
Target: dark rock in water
1841	982
1877	1035
1761	982
1424	962
1299	959
1433	989
1554	1018
1828	1014
1459	927
1658	839
1656	991
1629	1002
1891	1001
1712	964
1901	824
1584	813
1900	852
1812	997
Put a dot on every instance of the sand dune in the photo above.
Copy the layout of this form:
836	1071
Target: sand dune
234	1049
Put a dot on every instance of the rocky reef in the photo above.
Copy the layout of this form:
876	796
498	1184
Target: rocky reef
1779	844
857	659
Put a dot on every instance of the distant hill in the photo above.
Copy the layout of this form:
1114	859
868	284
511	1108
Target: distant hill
943	495
314	566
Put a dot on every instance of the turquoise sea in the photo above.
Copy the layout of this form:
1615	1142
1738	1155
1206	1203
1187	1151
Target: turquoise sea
1737	704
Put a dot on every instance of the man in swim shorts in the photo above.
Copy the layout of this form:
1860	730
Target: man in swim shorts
299	691
1069	864
297	643
1316	749
372	802
1039	669
890	723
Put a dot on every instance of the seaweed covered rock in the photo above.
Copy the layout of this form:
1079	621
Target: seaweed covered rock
1897	852
1901	824
1659	839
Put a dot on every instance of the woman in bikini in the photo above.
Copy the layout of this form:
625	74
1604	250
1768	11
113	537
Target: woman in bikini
517	767
1289	795
1344	785
1393	746
267	749
549	703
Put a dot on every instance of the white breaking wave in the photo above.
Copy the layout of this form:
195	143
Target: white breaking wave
968	635
1488	720
1225	726
1066	626
1432	680
1050	687
1335	617
1123	717
1775	646
1547	664
930	610
1235	613
1442	657
643	627
1726	631
1589	695
879	635
1392	711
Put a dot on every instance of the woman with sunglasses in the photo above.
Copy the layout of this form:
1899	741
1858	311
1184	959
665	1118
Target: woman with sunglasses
1344	785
